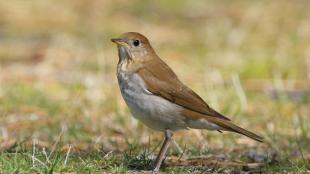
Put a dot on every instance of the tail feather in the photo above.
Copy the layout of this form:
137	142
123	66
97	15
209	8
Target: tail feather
229	126
224	124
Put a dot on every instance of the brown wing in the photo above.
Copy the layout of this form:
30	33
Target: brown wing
162	81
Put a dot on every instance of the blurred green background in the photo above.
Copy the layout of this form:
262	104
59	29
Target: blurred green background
59	95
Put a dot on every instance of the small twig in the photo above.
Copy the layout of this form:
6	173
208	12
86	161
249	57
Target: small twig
33	152
182	154
106	155
55	144
82	159
239	90
158	144
97	140
67	155
36	159
149	144
177	146
45	154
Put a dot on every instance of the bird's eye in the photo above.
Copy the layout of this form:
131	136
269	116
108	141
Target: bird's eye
136	43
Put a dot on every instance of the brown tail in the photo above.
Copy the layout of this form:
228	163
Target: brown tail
229	126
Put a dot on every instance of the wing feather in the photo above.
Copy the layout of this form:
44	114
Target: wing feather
162	81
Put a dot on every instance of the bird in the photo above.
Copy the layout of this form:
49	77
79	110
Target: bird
156	96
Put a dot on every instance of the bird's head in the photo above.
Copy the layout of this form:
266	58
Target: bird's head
133	46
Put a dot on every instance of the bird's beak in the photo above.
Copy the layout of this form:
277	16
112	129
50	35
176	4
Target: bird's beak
119	41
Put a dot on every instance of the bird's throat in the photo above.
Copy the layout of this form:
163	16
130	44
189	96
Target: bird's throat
123	54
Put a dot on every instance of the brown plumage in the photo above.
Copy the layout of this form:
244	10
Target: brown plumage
162	81
156	96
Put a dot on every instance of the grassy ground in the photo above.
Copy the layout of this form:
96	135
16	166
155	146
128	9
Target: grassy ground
61	110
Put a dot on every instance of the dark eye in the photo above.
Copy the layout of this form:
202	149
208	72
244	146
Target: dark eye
136	43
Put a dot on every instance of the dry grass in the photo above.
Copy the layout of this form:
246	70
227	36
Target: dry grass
61	110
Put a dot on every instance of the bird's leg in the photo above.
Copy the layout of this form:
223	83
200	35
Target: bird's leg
161	156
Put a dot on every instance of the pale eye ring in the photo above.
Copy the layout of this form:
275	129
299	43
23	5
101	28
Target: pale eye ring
136	43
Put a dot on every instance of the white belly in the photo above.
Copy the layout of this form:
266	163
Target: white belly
155	112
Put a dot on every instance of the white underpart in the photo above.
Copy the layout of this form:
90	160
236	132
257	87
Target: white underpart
154	111
202	124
